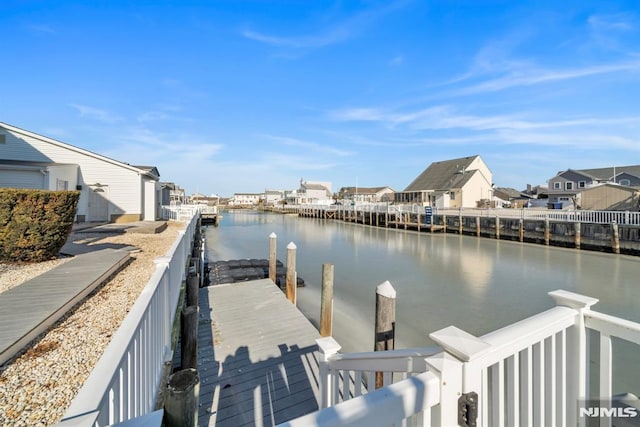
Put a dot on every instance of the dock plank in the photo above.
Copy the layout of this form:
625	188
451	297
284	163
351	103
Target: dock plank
30	308
262	368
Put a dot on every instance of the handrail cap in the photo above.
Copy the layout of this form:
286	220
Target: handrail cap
571	299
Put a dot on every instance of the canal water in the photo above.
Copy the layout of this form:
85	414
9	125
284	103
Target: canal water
476	284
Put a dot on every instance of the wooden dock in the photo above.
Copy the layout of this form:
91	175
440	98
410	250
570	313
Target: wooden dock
257	356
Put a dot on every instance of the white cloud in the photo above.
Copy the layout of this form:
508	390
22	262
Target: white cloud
96	113
313	146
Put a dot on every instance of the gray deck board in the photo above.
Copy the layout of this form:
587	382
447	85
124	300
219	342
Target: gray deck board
30	308
262	368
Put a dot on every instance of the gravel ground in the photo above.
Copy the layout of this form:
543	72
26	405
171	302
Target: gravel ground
37	387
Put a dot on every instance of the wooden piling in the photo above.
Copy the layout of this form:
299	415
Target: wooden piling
181	400
460	228
444	223
547	231
193	286
326	301
478	226
521	230
291	279
615	238
498	227
273	239
578	234
385	326
189	338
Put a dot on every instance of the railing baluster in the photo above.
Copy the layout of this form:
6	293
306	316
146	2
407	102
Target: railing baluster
357	383
513	390
346	381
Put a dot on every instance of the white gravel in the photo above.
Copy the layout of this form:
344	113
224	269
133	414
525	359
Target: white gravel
37	387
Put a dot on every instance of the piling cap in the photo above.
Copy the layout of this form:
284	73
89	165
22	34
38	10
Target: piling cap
291	246
386	290
273	235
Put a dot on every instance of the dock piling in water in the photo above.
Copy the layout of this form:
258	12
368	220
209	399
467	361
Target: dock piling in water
385	327
273	239
291	282
326	301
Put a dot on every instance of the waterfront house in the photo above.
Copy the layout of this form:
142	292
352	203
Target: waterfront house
246	199
463	182
566	185
110	191
273	197
509	197
366	194
311	193
171	194
610	197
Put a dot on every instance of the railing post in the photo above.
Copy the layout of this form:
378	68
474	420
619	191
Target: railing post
326	301
327	347
449	370
291	279
577	350
273	239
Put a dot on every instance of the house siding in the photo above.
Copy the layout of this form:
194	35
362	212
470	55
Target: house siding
124	184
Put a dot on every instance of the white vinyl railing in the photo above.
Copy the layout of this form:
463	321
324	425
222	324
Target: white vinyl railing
531	373
180	212
125	382
585	216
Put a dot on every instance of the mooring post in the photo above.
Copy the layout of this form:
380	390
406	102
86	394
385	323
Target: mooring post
547	231
273	239
444	223
326	301
193	285
181	401
291	279
498	227
615	238
521	230
189	338
385	327
460	227
578	234
478	226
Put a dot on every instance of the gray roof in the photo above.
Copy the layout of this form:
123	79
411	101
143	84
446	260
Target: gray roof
607	173
443	175
362	190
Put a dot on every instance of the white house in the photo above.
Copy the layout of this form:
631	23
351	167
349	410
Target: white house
245	199
109	190
311	193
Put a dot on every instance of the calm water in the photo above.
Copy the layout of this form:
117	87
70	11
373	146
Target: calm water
441	279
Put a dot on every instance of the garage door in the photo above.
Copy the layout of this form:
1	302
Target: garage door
21	179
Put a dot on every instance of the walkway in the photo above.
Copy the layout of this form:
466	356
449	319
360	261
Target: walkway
262	368
31	308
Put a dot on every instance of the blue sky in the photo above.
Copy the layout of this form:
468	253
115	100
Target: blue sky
239	96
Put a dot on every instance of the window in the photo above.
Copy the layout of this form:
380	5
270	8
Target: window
624	182
452	195
62	185
568	185
564	199
556	186
582	184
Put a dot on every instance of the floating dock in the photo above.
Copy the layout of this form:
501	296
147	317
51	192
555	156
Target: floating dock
257	356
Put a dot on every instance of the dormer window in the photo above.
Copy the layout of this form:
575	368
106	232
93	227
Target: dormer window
624	182
568	185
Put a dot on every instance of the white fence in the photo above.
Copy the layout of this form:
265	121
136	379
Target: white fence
125	382
596	217
531	373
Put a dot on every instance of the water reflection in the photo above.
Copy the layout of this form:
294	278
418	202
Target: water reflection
476	284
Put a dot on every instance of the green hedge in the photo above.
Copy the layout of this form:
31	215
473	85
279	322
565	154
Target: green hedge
35	224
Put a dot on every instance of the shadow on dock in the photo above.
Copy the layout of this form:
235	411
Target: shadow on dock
255	368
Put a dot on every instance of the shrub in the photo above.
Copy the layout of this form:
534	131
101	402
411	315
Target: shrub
35	224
